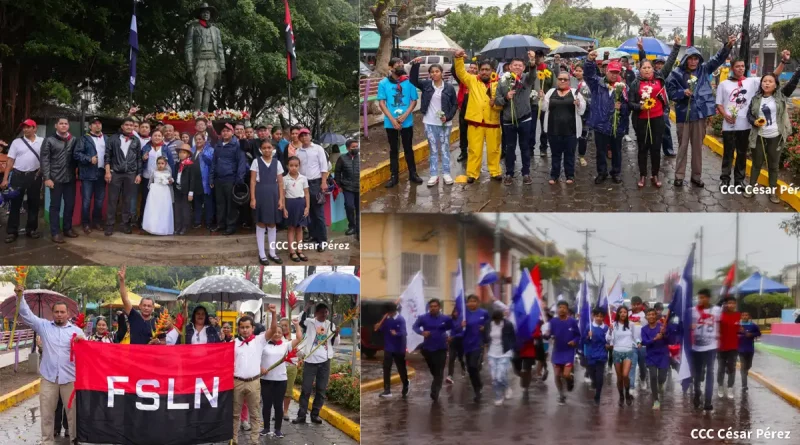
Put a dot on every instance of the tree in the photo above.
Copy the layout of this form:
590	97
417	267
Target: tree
409	13
574	264
723	30
786	32
550	268
742	271
652	20
767	305
544	4
677	31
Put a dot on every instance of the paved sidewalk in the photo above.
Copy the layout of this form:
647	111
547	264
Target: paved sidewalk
777	369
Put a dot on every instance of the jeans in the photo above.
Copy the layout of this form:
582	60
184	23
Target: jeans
96	188
597	374
746	361
562	146
319	372
703	361
511	133
770	147
658	376
351	206
583	139
639	361
65	191
603	141
400	361
316	213
648	143
203	201
734	142
666	139
407	135
30	184
435	361
727	365
122	191
272	392
439	142
474	359
498	366
456	352
227	211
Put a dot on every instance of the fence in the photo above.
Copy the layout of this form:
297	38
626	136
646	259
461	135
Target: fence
24	337
368	92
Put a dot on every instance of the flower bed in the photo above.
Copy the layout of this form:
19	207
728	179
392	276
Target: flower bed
791	152
344	388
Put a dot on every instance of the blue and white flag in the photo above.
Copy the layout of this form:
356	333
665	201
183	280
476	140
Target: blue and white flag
684	289
412	306
602	296
133	40
458	292
527	309
487	275
584	311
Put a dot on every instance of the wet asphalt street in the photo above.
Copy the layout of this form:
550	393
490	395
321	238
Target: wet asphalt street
456	419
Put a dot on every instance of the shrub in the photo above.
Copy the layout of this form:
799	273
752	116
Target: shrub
715	122
344	388
767	305
791	151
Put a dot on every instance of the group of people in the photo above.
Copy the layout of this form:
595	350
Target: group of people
640	337
258	390
169	182
500	109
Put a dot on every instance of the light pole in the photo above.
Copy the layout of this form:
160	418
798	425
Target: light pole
84	102
392	17
312	94
747	255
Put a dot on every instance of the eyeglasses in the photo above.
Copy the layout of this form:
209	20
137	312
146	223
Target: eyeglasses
563	80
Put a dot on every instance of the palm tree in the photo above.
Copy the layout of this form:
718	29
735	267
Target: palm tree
574	264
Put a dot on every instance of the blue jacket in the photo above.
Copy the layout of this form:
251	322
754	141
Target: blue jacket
206	160
702	100
601	112
746	344
166	152
437	326
596	346
83	155
229	164
211	334
394	343
657	353
449	96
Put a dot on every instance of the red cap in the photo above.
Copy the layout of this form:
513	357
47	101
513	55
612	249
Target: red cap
614	66
304	131
29	123
228	126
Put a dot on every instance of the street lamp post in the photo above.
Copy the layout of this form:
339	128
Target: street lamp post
392	16
84	102
312	94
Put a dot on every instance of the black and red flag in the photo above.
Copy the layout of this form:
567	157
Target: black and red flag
148	394
690	27
291	54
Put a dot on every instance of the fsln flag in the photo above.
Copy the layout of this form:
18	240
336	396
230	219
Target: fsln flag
684	288
727	285
291	54
133	41
690	26
412	306
458	292
140	394
487	275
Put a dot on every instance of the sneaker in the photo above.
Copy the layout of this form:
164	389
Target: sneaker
597	401
433	181
508	393
633	392
508	180
447	179
246	426
708	408
721	393
570	383
264	432
582	161
527	180
747	194
656	405
498	402
773	198
562	400
449	380
629	399
628	138
730	394
385	394
406	388
544	374
587	380
279	435
744	388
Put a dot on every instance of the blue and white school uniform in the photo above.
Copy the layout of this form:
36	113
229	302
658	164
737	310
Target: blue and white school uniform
266	191
295	200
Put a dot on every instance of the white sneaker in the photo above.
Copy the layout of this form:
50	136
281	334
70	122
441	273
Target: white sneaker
433	181
587	380
720	393
509	393
448	179
633	392
449	380
730	394
498	402
628	138
246	425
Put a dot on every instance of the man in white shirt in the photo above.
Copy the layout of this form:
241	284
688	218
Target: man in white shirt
314	166
705	329
317	348
23	174
143	133
91	157
733	102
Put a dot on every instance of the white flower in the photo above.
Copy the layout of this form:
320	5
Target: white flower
534	94
398	111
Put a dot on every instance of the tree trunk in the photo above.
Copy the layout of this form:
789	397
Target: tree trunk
384	54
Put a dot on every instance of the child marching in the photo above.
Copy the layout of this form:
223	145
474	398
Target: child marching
596	352
566	336
654	339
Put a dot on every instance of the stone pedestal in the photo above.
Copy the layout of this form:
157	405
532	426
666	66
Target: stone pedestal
33	362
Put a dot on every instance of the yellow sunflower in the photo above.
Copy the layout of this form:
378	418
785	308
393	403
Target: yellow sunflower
541	75
649	104
548	73
493	77
760	122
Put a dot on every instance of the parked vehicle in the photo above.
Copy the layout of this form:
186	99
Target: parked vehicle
371	313
445	61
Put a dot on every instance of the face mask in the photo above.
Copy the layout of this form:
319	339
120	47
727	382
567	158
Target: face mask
354	152
399	71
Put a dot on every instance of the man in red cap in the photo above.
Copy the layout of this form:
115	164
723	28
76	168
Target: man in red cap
227	170
23	174
58	171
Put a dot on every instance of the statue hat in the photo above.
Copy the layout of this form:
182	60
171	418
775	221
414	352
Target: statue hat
205	7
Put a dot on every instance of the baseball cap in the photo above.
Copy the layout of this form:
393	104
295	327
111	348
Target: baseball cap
228	126
304	131
29	123
659	59
614	66
94	119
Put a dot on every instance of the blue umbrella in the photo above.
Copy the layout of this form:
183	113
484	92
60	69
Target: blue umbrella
651	46
512	46
337	283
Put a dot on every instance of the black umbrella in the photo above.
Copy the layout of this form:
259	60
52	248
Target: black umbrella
331	138
222	288
512	46
569	51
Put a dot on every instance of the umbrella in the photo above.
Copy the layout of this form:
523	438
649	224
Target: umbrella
117	304
40	301
569	51
613	53
331	138
512	46
759	284
651	46
430	40
222	288
552	43
338	283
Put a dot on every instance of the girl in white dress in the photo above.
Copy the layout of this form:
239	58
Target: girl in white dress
158	218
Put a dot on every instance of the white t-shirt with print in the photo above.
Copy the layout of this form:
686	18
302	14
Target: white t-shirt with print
320	355
706	328
769	111
737	98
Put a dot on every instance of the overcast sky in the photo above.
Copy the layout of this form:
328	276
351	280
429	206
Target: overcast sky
655	243
672	13
298	272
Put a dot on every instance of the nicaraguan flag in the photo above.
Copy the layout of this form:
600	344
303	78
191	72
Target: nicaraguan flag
133	40
487	275
684	288
526	307
584	308
458	292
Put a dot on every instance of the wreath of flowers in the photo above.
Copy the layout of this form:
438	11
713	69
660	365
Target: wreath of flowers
173	115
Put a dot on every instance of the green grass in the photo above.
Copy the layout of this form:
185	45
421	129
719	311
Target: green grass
793	355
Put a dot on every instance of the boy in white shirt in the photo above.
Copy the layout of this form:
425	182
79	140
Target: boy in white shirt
705	328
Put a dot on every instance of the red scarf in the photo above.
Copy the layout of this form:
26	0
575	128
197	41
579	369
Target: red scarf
249	339
276	343
703	314
400	80
203	23
157	147
127	137
184	163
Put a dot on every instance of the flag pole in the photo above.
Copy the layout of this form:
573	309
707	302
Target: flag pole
608	303
290	102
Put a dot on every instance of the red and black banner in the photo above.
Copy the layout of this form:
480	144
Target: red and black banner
690	26
291	55
150	394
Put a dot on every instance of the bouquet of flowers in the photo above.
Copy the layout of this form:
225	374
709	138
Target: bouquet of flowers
648	103
619	91
734	110
544	74
440	114
692	85
20	276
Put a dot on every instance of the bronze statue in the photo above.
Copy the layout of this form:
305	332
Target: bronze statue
205	57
